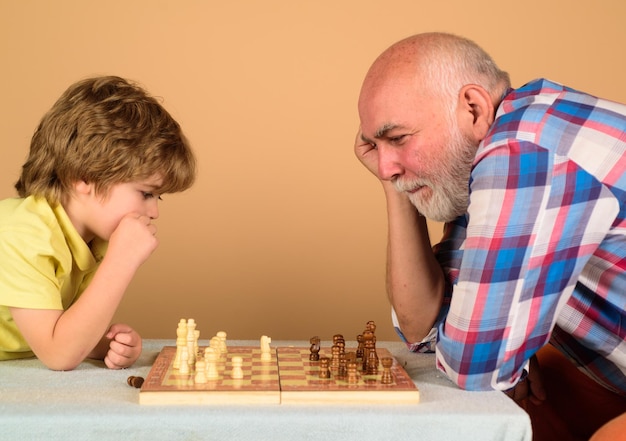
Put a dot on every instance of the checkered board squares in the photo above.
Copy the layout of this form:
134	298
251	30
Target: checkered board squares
260	382
300	382
288	378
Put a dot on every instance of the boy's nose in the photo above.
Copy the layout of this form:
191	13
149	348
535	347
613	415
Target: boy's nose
153	211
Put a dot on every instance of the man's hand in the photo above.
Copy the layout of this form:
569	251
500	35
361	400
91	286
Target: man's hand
367	154
531	387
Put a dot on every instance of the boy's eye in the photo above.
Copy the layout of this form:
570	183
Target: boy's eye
148	195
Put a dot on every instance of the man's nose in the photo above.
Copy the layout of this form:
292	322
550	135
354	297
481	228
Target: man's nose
389	166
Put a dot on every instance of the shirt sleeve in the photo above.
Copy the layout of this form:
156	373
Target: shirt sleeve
534	220
29	271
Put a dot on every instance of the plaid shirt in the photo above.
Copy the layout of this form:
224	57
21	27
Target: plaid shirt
541	254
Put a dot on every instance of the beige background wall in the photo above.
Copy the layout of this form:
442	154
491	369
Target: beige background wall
284	232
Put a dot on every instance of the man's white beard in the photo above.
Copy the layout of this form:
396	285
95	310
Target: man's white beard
446	195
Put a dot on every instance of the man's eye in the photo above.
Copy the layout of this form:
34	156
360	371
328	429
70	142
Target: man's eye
397	139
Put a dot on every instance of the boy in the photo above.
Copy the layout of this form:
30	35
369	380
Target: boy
72	242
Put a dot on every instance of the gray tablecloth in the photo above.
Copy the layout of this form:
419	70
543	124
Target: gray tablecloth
92	402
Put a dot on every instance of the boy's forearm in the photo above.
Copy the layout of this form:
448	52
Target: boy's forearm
101	349
78	332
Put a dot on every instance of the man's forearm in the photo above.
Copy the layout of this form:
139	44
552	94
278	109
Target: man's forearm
415	281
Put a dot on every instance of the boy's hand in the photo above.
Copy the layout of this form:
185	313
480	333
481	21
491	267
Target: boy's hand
134	239
124	346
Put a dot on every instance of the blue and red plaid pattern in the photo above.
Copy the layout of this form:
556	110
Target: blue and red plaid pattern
541	254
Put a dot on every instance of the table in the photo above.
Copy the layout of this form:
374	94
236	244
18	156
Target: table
92	402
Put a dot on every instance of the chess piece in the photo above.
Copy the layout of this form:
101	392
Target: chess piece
266	354
353	373
387	376
315	349
342	371
184	360
216	344
221	335
334	360
181	340
360	348
371	327
237	371
371	368
210	357
191	341
196	339
200	377
369	344
324	367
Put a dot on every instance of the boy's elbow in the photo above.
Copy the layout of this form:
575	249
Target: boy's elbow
60	365
56	362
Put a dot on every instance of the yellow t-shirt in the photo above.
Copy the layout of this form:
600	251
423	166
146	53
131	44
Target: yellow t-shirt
44	264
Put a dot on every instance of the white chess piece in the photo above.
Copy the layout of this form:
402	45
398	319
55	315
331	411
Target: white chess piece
181	340
200	372
191	340
222	338
266	354
184	360
215	344
237	372
210	356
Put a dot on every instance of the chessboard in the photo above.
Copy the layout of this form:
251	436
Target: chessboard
259	385
288	377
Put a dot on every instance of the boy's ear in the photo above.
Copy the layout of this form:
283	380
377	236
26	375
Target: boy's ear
82	187
476	111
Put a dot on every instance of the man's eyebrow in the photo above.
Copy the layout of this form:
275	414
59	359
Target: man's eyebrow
381	132
384	129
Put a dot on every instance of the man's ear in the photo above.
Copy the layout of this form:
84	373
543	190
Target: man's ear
476	111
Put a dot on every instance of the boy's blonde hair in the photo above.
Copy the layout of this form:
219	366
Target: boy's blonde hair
105	131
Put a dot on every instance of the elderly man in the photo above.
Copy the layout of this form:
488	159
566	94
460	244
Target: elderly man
526	293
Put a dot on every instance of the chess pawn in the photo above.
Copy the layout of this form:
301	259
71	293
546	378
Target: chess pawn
338	337
324	367
266	354
215	344
221	335
210	357
200	377
353	373
237	372
342	370
387	377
